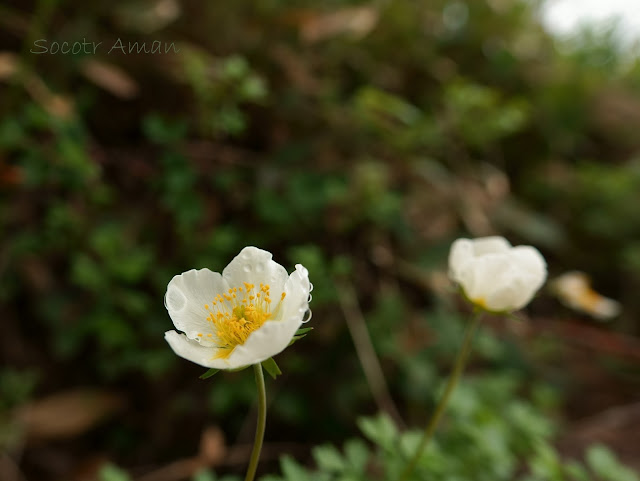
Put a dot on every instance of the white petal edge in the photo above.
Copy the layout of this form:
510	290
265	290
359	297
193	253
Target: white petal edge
490	245
460	253
193	351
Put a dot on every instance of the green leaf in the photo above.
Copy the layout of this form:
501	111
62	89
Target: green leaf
329	458
356	454
271	367
600	459
292	470
204	475
606	466
110	472
209	373
381	430
576	471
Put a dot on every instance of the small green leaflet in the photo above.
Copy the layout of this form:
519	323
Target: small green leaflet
271	367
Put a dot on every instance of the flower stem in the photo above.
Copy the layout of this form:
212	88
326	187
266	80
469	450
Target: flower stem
442	404
262	421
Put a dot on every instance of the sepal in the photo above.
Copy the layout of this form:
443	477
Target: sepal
300	333
211	372
271	367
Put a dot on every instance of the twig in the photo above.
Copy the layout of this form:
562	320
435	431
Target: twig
365	351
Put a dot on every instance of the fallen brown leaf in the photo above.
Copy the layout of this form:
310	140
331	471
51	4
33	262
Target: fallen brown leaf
67	414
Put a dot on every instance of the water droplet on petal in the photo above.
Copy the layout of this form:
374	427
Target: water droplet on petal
247	268
260	268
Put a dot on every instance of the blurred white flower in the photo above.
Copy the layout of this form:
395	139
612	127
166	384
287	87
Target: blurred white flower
494	275
574	290
243	316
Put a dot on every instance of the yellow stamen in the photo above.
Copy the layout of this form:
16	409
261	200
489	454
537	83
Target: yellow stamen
234	316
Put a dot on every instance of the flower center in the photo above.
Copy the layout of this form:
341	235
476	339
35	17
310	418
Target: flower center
234	315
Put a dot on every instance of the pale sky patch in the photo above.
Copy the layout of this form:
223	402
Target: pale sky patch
565	17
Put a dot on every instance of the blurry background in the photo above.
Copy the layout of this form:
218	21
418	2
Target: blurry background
357	138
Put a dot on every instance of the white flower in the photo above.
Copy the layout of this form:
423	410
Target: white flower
574	290
494	275
242	317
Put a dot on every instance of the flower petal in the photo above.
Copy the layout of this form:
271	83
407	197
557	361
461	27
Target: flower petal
255	266
186	297
514	292
531	261
490	245
466	250
480	276
193	351
274	336
461	252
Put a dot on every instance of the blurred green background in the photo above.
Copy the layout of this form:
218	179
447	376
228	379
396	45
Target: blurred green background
357	138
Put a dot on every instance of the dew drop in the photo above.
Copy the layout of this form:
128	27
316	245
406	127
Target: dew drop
247	268
260	268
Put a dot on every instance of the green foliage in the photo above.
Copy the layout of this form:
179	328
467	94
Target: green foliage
207	475
110	472
481	445
601	464
604	465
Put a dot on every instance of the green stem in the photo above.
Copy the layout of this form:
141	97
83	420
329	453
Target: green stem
262	421
442	404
